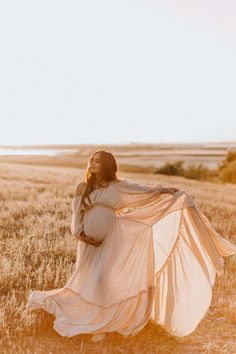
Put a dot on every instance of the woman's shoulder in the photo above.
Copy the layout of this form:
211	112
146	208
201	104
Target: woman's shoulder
119	182
124	181
79	188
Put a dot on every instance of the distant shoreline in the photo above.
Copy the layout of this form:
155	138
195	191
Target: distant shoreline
184	145
135	157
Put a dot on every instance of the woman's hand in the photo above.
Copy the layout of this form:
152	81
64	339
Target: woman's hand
169	190
89	240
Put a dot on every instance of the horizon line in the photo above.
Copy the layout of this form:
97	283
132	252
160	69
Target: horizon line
119	143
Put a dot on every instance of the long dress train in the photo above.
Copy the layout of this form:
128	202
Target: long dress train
158	260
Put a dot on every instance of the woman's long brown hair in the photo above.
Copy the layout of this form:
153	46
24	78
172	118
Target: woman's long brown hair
107	172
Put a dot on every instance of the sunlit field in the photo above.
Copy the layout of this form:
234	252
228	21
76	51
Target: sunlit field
38	252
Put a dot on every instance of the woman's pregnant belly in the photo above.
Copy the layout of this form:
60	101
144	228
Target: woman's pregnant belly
99	221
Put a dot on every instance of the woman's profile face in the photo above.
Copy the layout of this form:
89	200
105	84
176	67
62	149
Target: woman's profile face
95	163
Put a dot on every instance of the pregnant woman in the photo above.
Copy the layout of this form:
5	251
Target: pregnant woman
144	252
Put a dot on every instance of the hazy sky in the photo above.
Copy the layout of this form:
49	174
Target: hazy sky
117	71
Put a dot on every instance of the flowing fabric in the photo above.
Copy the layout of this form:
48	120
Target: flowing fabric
158	260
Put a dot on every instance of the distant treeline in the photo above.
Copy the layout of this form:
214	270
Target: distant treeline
226	171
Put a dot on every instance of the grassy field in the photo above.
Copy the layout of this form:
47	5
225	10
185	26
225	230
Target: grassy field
38	252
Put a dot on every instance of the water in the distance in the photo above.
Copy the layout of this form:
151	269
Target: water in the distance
45	152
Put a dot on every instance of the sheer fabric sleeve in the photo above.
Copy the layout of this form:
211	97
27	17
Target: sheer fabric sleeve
132	194
77	225
145	203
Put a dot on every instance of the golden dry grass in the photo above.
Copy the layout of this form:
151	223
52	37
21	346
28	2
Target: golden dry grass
38	252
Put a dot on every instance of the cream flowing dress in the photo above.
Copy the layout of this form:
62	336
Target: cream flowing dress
158	260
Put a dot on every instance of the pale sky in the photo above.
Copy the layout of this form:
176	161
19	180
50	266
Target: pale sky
121	71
